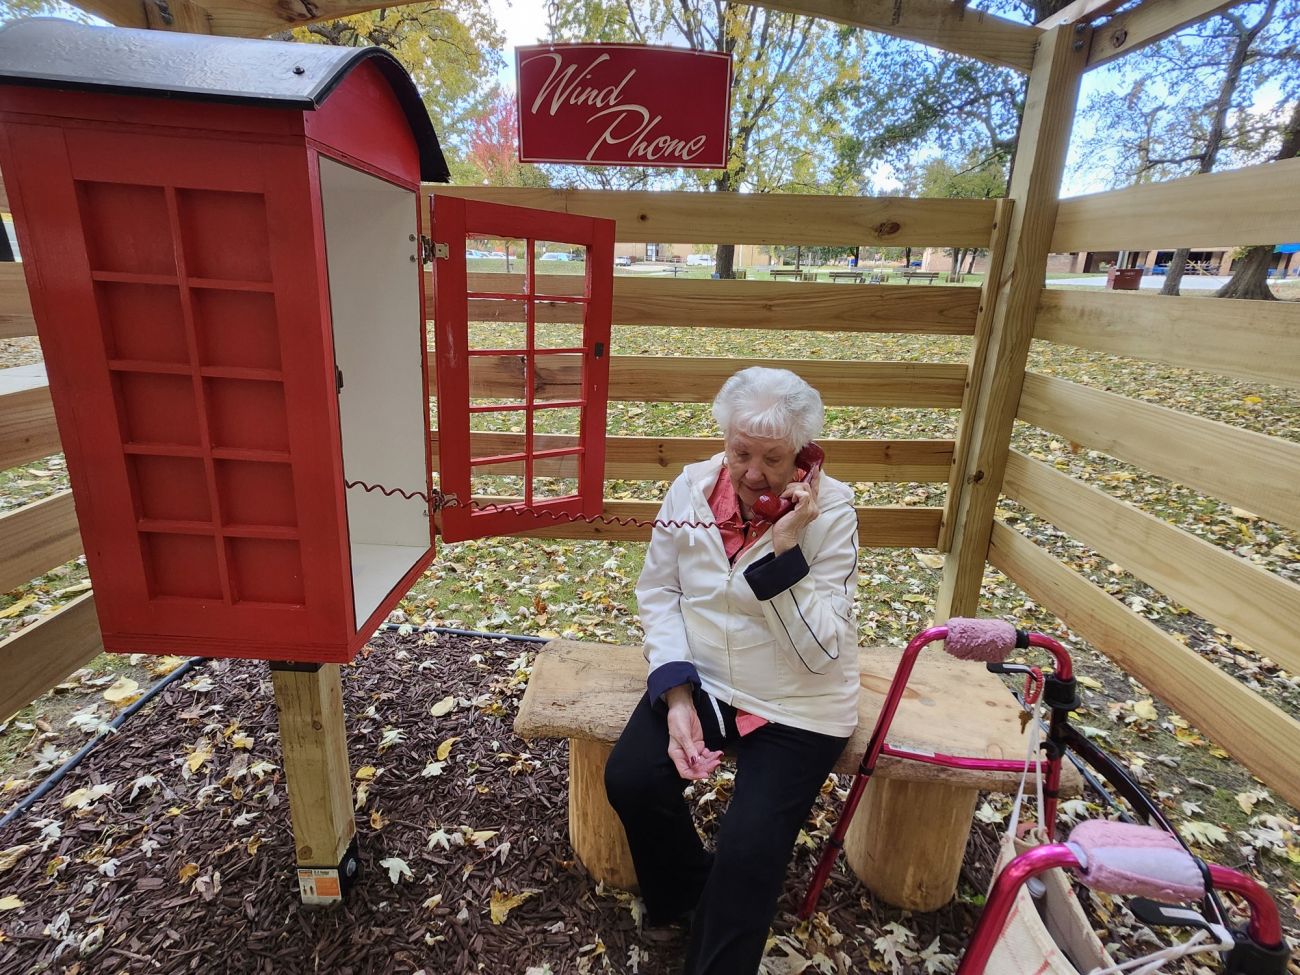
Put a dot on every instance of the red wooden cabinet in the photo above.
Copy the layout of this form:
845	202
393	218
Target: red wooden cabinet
221	241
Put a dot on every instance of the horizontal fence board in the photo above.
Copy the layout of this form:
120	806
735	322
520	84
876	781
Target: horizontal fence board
1251	603
36	658
1146	24
36	538
1253	205
682	379
15	305
1254	340
810	306
757	218
27	429
936	23
1258	734
662	458
885	526
1253	471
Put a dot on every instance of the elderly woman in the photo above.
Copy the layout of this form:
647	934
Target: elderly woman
751	638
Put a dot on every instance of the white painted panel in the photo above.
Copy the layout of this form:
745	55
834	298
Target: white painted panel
375	306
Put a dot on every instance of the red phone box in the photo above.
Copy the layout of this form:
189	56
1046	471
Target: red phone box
221	241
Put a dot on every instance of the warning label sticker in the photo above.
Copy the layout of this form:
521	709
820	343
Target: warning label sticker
317	886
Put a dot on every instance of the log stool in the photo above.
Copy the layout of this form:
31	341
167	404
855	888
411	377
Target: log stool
908	838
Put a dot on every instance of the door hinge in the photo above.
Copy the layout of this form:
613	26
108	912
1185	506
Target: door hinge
441	251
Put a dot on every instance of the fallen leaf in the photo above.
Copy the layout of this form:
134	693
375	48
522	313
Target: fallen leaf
445	749
240	740
396	868
1145	709
189	872
82	798
502	903
377	820
16	608
366	772
122	691
162	666
443	706
12	855
1206	834
10	903
1088	682
199	757
432	769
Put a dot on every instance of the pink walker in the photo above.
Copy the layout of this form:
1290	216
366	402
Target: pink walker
1149	862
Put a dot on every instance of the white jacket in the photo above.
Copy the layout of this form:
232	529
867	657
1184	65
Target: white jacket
774	636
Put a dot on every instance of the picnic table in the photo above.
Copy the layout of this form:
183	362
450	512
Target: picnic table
858	276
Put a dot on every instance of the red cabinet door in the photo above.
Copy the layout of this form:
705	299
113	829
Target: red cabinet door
522	302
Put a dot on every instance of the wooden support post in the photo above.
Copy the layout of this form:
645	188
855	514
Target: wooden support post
313	739
907	841
975	369
1035	182
595	830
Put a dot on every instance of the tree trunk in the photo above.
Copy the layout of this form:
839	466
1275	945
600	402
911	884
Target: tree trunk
724	263
6	251
1250	276
1174	276
970	267
907	257
957	254
1214	138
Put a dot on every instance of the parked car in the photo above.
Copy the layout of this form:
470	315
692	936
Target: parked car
477	255
559	256
698	260
623	260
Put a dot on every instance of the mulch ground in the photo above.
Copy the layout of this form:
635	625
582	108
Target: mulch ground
180	858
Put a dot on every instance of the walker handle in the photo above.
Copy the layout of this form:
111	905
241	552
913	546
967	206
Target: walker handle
992	641
1127	858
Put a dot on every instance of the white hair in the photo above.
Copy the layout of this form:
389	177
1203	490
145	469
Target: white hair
762	402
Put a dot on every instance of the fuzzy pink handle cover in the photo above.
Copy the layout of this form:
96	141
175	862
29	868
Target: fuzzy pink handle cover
987	640
1125	858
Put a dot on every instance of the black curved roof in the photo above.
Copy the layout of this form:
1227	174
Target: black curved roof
164	64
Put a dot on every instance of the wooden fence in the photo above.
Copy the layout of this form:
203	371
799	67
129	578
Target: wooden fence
42	535
1258	341
1255	341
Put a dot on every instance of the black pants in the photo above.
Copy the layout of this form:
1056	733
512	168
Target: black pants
779	771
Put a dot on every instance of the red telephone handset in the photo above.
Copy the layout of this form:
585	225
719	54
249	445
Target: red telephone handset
773	507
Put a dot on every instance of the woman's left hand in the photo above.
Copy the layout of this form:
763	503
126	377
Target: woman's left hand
788	531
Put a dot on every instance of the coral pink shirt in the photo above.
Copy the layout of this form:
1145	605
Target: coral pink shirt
737	536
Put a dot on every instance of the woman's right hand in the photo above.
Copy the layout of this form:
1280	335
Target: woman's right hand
686	737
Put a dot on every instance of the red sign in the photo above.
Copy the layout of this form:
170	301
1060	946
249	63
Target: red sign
623	105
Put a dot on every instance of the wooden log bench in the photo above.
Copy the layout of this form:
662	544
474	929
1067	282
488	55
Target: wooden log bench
908	837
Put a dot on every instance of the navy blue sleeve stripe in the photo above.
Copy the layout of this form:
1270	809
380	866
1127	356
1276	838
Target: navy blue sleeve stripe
667	676
774	574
